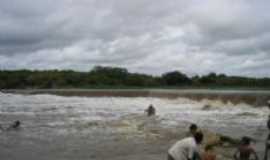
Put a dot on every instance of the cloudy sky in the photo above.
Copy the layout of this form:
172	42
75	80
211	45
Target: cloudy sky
146	36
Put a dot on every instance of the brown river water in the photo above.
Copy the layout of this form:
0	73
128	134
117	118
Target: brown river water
101	125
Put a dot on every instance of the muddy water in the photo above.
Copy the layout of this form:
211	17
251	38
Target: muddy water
56	128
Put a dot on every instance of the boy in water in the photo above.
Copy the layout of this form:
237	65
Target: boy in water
15	125
186	149
151	111
268	123
245	151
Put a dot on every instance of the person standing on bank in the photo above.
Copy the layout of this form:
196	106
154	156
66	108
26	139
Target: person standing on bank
193	129
245	150
187	148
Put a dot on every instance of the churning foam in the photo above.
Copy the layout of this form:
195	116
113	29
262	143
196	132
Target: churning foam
57	110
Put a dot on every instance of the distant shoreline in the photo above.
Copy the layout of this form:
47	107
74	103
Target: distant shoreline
252	97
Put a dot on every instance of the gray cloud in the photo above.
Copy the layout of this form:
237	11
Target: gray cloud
196	37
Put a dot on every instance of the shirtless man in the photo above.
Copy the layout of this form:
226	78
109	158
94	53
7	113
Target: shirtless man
245	151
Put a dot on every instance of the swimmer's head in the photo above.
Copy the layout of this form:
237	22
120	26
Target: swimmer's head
17	123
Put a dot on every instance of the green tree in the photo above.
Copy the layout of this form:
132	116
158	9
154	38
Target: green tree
175	78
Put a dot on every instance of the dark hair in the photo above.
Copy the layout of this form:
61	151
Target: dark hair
193	127
245	140
198	136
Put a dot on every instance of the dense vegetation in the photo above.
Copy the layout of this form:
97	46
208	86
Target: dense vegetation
109	77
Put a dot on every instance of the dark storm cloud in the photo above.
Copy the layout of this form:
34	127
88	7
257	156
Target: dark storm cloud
143	35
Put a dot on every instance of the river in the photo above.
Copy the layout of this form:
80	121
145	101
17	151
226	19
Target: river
58	127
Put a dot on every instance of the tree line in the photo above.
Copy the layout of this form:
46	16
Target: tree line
114	77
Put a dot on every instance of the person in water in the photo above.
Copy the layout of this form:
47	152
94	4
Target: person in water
151	111
15	125
186	149
268	123
245	150
209	153
267	144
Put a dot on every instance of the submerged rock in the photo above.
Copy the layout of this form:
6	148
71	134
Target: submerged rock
206	107
229	140
249	114
216	139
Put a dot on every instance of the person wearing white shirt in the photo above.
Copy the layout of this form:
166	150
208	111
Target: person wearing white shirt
186	149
